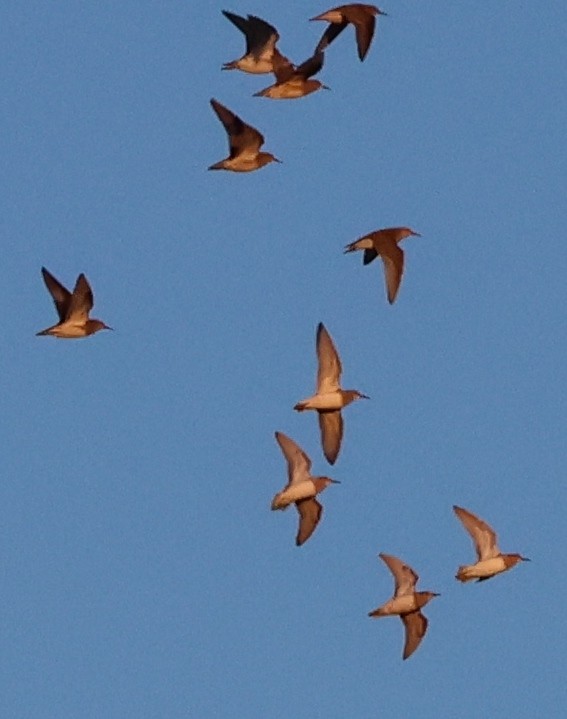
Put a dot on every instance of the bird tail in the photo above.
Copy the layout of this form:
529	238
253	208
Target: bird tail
463	574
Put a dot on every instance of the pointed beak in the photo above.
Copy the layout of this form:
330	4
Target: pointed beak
363	396
325	87
334	481
276	160
106	327
525	559
381	12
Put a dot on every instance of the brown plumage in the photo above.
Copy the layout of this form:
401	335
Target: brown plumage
73	309
406	603
261	50
244	141
293	82
362	17
385	243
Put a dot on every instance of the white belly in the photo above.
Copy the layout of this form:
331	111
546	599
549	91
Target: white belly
328	401
301	490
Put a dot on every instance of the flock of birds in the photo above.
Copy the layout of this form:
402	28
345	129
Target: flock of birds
245	141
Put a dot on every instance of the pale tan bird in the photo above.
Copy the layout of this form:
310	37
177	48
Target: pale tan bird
293	82
406	603
301	488
261	39
73	309
363	17
385	243
329	398
244	141
491	561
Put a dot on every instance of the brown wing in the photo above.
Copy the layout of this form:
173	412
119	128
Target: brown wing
331	426
364	34
260	35
309	515
333	31
81	300
60	294
330	368
483	536
404	576
298	463
416	626
241	137
393	258
311	66
283	69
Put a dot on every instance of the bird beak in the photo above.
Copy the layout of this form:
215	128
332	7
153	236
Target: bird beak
363	396
106	327
525	559
381	12
276	160
325	87
415	234
334	481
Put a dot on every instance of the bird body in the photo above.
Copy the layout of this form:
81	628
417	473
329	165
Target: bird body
329	398
294	82
491	561
384	243
361	16
301	488
261	39
73	309
244	142
406	603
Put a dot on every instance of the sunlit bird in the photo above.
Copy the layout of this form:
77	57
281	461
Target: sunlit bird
363	17
301	488
406	603
491	561
261	39
385	243
329	398
293	82
244	142
73	309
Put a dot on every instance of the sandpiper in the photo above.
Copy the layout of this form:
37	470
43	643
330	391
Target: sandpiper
491	561
363	17
385	243
73	309
244	141
293	82
329	398
406	603
261	39
301	488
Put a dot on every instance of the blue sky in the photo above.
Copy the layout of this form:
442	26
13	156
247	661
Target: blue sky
143	574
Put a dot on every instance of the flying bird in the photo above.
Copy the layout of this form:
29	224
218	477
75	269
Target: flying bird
244	141
301	488
491	561
261	39
73	309
329	398
406	603
363	17
385	243
293	82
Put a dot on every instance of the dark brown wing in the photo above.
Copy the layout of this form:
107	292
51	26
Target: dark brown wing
369	255
364	34
283	68
331	426
60	294
81	300
416	626
311	66
309	515
333	31
241	137
259	33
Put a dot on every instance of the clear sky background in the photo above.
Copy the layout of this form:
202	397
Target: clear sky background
142	572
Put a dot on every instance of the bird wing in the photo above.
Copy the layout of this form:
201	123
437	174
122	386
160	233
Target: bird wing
364	29
242	138
283	69
368	256
81	301
261	37
404	576
333	31
311	66
310	512
60	294
329	371
483	536
331	426
393	258
416	626
298	463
